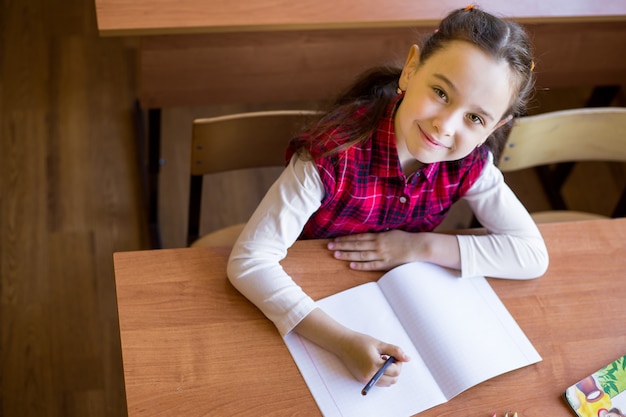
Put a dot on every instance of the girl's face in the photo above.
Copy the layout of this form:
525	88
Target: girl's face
453	102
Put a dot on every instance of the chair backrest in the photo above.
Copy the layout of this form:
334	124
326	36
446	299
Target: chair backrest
553	142
586	134
238	142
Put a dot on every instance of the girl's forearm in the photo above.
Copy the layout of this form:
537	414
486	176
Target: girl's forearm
438	248
323	330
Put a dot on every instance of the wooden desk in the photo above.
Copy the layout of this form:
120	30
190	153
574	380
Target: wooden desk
195	52
193	346
149	17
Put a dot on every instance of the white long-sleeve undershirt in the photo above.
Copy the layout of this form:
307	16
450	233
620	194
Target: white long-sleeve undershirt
512	248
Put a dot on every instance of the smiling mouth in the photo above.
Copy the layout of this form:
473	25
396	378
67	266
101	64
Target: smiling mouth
432	141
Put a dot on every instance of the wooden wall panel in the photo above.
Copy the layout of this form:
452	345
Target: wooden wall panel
268	67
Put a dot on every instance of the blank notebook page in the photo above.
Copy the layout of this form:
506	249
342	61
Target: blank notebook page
460	326
456	331
336	391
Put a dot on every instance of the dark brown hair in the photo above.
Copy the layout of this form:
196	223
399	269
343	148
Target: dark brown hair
375	89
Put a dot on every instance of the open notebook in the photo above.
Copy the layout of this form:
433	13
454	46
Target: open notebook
456	331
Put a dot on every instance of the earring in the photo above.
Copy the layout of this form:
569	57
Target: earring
399	90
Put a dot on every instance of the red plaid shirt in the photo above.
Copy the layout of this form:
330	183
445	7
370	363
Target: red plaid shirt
366	190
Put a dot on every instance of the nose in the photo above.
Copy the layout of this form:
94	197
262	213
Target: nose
445	124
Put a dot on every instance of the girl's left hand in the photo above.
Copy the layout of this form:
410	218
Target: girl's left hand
379	251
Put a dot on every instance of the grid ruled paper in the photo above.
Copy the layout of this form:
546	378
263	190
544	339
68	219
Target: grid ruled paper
447	325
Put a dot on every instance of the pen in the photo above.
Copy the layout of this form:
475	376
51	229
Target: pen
377	375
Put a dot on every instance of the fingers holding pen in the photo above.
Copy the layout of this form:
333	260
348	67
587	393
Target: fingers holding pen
396	368
364	356
391	370
389	366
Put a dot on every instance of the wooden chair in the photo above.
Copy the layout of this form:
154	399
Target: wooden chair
236	142
585	134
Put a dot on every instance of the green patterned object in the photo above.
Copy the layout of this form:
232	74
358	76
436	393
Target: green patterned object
613	377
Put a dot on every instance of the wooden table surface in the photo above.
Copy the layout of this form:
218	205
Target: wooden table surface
193	346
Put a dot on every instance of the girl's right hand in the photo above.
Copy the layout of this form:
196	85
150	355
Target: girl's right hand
363	355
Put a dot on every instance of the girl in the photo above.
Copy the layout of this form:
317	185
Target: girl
381	169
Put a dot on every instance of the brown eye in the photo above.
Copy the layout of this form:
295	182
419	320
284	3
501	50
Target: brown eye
442	94
475	119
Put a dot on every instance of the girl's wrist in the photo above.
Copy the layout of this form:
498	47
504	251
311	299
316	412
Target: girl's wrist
324	331
438	248
423	247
